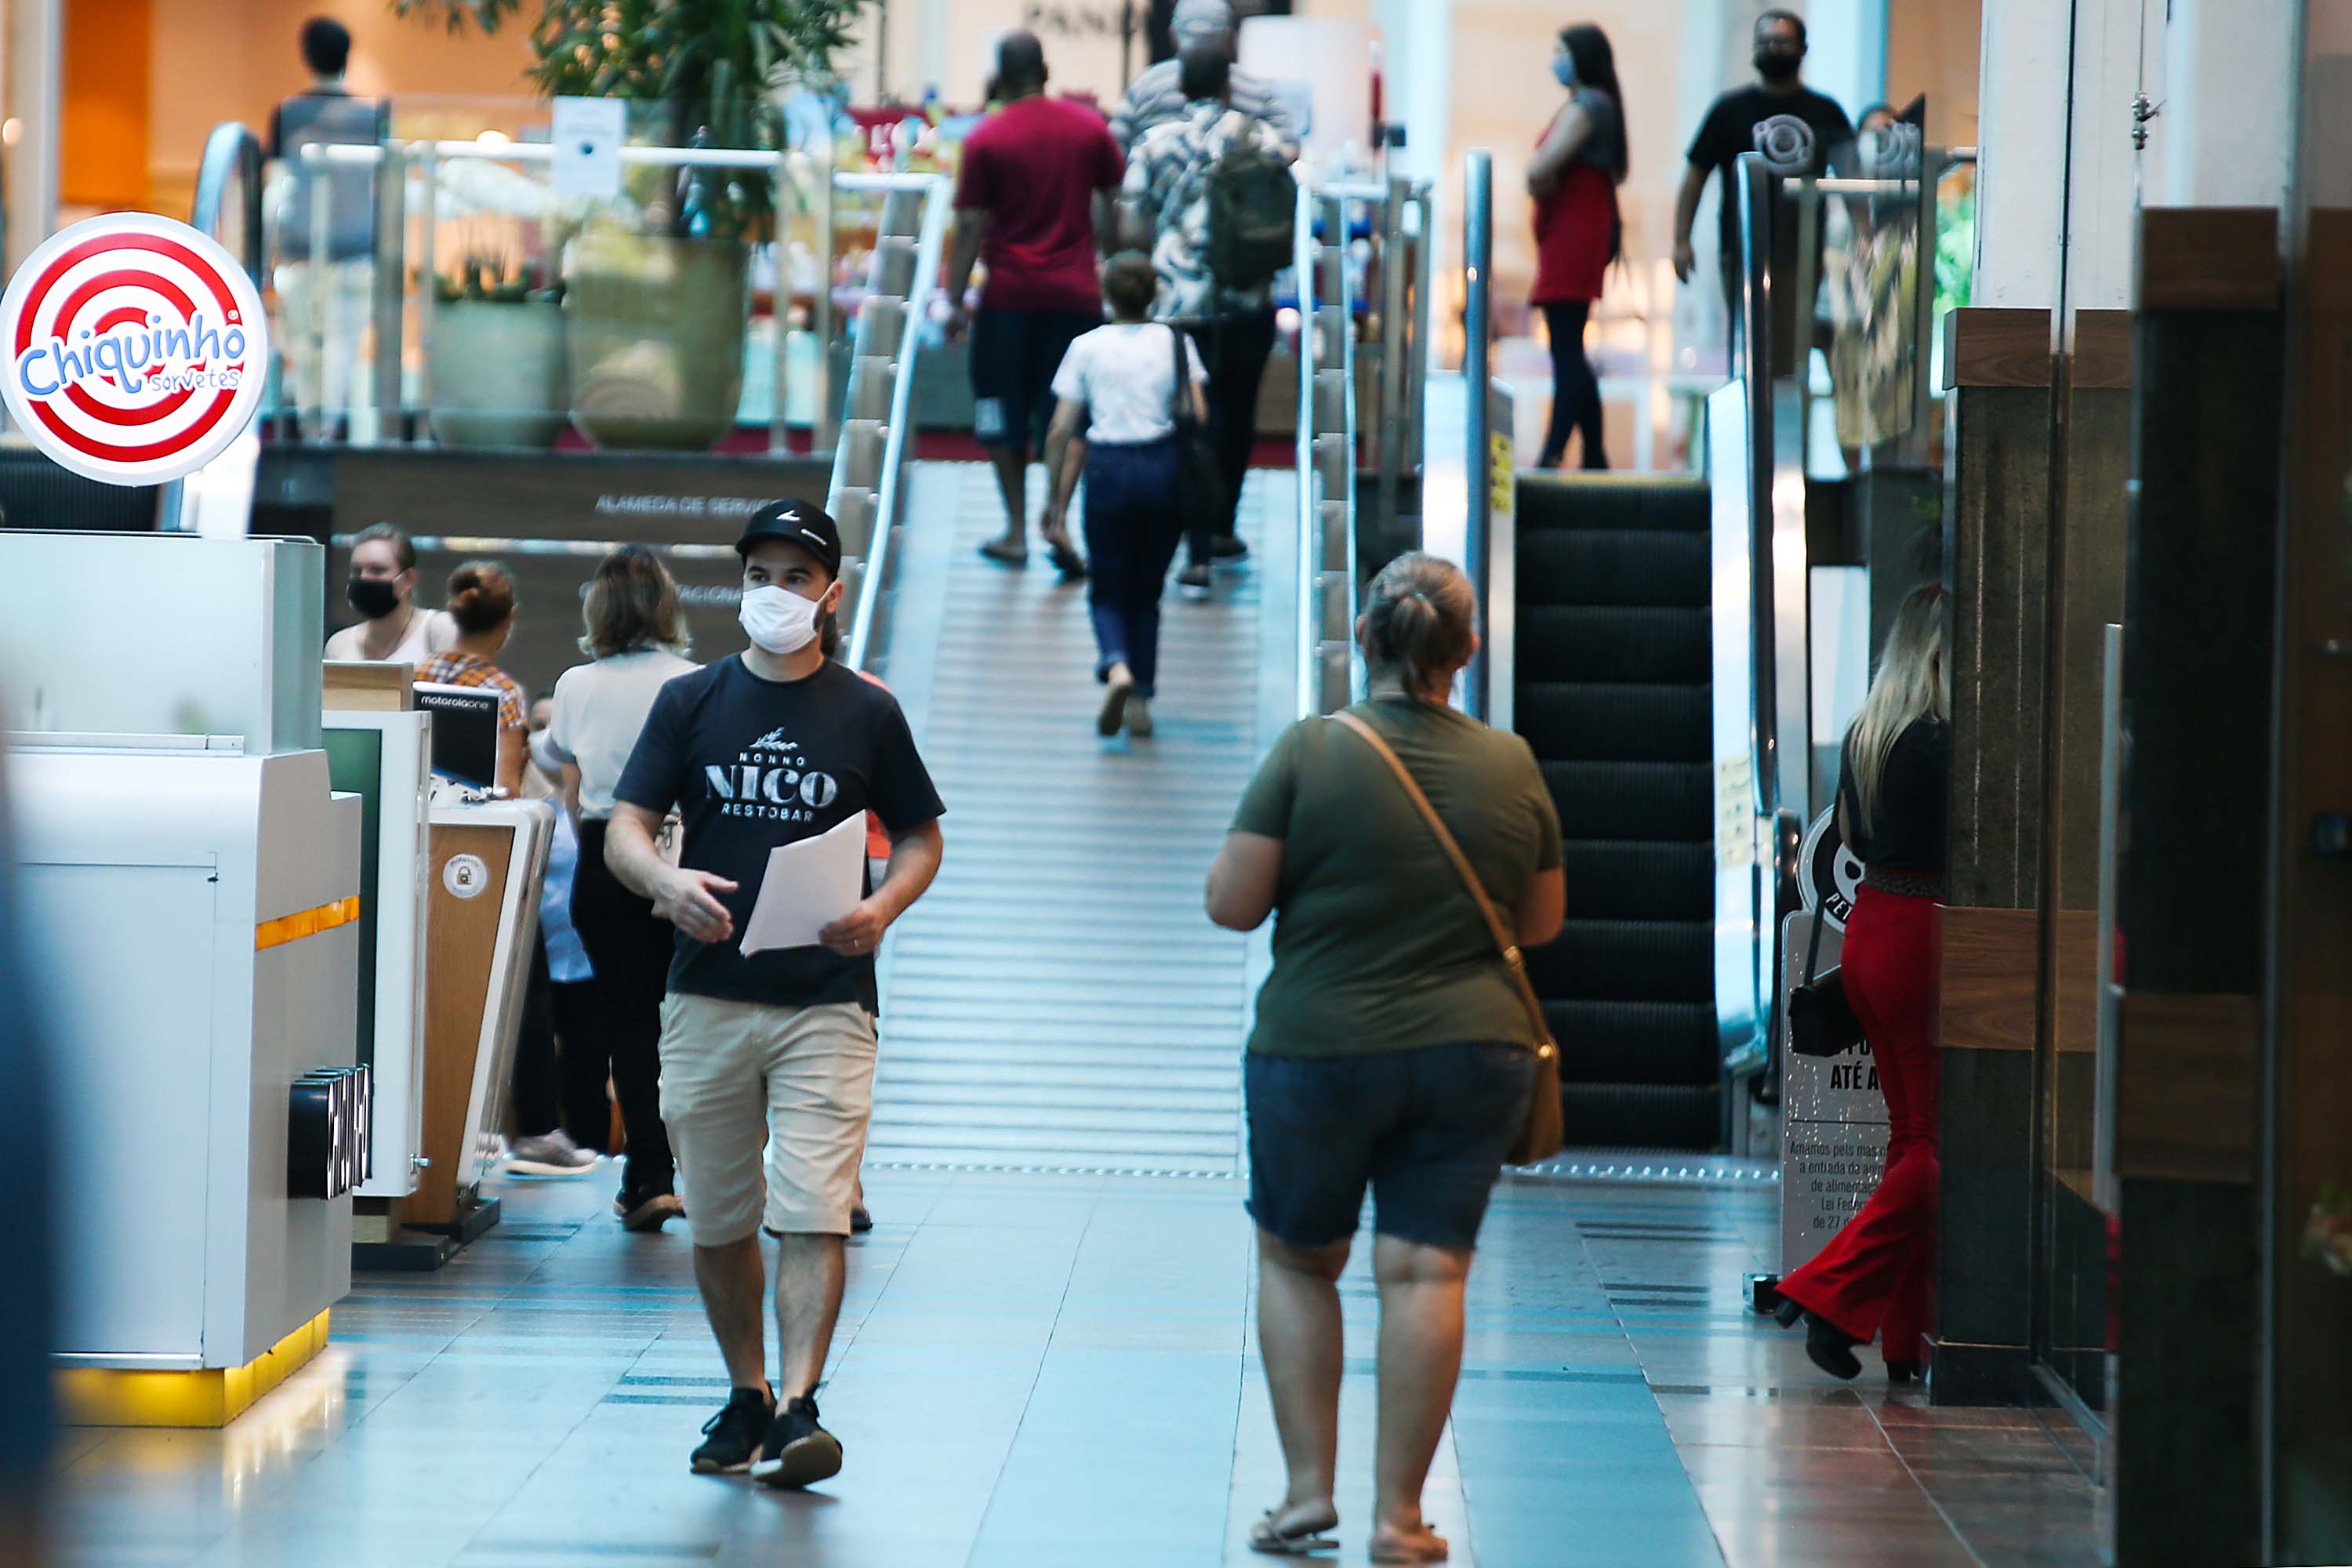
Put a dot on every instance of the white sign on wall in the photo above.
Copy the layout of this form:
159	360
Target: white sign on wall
587	133
137	349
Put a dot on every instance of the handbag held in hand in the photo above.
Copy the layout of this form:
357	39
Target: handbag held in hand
1544	1129
1820	1020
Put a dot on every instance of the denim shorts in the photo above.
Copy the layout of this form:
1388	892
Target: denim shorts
1426	1128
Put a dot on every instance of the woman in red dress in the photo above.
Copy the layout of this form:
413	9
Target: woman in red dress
1877	1275
1574	176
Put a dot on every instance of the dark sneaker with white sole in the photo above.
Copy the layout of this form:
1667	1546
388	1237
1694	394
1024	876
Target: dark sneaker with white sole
647	1211
732	1436
797	1452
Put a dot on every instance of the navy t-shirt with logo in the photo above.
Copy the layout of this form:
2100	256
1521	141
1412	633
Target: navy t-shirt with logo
751	764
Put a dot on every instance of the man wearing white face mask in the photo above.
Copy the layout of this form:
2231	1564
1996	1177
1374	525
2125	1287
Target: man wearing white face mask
776	745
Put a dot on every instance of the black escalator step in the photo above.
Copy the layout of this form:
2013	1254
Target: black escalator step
1635	1042
1639	879
1613	566
1612	500
1625	961
1632	800
1613	643
1599	722
1642	1116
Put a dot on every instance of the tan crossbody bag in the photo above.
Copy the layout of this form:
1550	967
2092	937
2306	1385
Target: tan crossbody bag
1542	1131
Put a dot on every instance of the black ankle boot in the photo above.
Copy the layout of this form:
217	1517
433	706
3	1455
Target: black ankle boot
1830	1350
1905	1371
1787	1313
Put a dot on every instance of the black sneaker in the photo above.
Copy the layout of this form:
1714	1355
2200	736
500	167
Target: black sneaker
732	1436
1227	550
1193	581
860	1222
798	1452
647	1211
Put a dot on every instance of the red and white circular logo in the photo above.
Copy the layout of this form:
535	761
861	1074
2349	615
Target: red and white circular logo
137	348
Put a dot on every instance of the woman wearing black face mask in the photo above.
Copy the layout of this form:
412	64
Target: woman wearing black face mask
1573	177
383	588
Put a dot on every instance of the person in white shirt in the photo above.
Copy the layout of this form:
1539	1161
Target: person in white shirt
1119	386
383	589
637	636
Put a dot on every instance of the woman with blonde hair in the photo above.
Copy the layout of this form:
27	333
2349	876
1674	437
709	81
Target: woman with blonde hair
1877	1275
635	634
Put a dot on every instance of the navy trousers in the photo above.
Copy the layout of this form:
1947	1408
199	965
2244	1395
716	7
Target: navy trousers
1133	524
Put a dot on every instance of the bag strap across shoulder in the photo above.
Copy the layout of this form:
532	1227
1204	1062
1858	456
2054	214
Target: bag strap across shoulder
1504	939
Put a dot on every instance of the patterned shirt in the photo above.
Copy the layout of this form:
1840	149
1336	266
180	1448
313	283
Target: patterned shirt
1158	96
456	668
1168	183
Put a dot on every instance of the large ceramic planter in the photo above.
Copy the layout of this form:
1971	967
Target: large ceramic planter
654	331
497	373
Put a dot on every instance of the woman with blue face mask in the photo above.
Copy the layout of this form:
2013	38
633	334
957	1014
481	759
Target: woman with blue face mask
1573	177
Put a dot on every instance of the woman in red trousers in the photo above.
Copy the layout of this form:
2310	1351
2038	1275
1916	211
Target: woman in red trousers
1877	1277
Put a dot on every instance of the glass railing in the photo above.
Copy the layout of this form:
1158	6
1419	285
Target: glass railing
445	273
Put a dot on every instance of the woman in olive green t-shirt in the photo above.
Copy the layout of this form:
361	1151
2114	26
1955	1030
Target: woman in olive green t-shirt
1391	1049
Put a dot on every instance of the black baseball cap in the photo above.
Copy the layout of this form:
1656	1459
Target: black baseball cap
799	522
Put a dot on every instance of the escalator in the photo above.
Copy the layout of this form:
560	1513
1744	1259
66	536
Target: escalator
1613	692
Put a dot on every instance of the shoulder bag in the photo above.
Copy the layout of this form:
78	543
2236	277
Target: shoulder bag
1543	1130
1199	483
1820	1020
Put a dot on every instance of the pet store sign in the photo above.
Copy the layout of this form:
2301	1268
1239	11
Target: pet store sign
137	349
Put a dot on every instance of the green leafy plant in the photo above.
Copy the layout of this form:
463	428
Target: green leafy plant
707	71
497	266
494	279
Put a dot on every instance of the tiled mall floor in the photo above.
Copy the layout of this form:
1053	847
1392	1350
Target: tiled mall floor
1038	1371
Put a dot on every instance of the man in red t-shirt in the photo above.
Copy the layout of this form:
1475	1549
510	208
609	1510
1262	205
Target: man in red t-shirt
1034	193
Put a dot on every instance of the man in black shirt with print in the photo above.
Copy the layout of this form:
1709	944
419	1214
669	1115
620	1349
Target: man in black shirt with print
1798	131
773	746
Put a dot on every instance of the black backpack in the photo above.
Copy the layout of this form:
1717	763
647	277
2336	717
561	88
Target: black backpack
1253	209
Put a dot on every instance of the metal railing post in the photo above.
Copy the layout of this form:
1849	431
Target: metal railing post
389	291
1478	265
825	428
781	297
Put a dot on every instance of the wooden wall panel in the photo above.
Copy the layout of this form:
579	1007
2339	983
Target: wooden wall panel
461	938
2209	259
1991	958
2184	1088
1987	346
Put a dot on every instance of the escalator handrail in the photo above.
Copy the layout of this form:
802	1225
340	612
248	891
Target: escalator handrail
231	151
1310	335
929	243
1306	254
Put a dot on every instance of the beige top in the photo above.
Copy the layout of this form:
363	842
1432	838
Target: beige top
429	632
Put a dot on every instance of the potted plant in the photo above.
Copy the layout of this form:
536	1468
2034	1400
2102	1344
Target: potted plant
655	310
497	354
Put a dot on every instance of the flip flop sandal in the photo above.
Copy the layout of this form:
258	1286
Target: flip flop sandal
1066	559
1399	1552
1300	1541
1004	555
